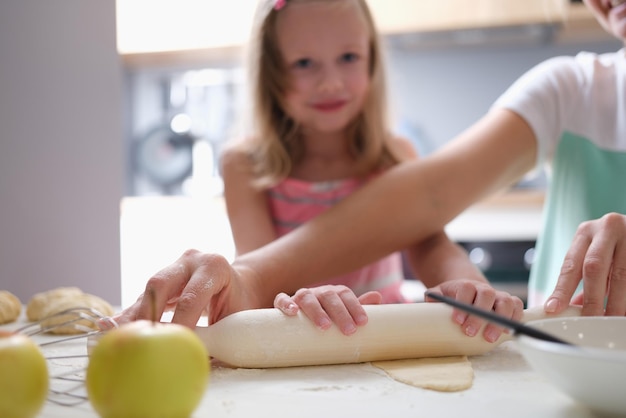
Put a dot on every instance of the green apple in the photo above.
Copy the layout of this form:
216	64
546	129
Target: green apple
23	376
147	369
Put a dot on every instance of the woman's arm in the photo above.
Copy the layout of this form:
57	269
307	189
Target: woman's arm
438	262
402	207
407	204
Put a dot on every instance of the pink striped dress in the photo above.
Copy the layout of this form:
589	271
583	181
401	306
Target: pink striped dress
294	202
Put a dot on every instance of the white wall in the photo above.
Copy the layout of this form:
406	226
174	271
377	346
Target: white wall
61	153
441	92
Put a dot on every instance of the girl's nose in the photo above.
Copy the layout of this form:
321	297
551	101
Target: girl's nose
330	80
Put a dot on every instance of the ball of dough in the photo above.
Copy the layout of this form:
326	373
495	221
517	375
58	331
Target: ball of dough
10	307
38	303
85	300
48	305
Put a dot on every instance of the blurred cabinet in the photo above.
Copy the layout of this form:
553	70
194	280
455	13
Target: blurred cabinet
581	25
145	26
400	16
156	32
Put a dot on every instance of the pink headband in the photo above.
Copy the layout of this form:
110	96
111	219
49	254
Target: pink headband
279	4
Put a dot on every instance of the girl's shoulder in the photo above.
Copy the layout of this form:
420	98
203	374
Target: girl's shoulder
401	148
235	156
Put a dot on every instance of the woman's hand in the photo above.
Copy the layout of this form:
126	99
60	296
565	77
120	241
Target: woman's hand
328	304
597	256
484	296
194	285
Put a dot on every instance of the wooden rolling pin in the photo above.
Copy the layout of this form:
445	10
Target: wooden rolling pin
263	338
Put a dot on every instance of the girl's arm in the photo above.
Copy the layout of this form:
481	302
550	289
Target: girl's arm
246	206
443	265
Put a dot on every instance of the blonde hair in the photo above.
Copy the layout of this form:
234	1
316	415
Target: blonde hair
275	145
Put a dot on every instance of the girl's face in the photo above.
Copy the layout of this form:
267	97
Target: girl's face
611	14
325	49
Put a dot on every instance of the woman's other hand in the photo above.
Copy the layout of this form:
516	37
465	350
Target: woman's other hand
597	256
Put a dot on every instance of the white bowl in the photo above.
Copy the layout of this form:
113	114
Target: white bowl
594	371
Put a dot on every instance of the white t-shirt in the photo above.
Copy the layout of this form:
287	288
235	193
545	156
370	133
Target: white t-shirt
576	107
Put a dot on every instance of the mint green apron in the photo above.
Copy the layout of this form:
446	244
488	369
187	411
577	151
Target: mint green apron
586	183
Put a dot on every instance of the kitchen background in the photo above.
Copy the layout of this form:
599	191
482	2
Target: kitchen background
90	134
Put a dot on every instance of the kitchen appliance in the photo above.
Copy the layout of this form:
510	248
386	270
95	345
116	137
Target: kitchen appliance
505	263
499	234
179	121
165	157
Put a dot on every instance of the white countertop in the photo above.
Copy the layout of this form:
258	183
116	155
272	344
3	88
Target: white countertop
504	385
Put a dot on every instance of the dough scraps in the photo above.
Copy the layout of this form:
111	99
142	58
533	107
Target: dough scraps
45	304
10	307
444	374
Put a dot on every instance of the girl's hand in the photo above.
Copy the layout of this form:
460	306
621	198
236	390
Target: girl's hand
327	304
481	295
597	256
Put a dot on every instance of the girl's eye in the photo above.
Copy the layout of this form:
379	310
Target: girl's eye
303	63
349	57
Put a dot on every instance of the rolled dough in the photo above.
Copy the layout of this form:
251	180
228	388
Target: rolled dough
444	374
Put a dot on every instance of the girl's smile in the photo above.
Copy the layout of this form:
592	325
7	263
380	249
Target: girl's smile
329	106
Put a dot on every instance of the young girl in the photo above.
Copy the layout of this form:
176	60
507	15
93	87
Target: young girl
319	113
321	132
